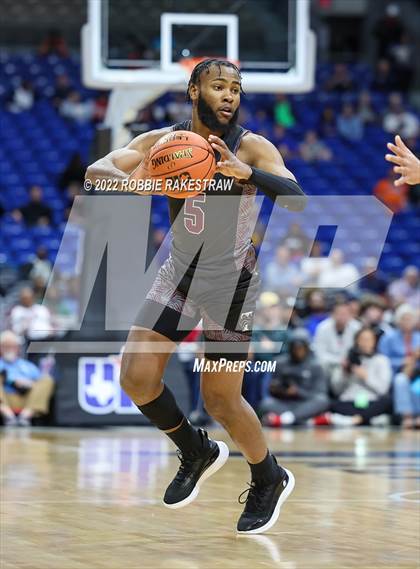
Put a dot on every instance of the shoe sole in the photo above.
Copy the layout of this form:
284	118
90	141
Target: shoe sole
275	516
217	465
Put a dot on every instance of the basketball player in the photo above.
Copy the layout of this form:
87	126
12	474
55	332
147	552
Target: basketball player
407	164
227	258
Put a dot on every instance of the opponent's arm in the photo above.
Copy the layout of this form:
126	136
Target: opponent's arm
120	163
407	164
260	163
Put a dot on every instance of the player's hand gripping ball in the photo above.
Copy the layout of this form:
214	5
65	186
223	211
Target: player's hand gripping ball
184	161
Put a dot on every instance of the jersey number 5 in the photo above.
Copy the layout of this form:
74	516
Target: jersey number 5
194	214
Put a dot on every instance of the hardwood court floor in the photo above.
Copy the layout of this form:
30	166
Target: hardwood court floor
91	499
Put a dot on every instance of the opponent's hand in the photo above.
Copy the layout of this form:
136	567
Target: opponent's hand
406	163
229	164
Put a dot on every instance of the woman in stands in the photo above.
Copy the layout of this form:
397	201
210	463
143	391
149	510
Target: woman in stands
362	384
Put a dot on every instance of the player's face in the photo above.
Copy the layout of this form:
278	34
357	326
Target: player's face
219	98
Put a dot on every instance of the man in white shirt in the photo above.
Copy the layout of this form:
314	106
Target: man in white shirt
406	289
334	336
339	274
29	320
282	275
399	120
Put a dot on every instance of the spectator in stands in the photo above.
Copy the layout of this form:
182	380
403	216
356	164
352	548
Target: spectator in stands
397	120
316	310
388	29
298	389
36	212
407	391
283	113
100	105
349	124
262	122
23	386
402	57
28	320
296	241
285	144
374	281
371	315
62	89
73	172
406	289
384	79
269	335
23	98
54	43
328	122
365	109
282	275
73	108
338	274
40	267
312	266
392	196
270	328
361	384
312	149
402	342
341	80
334	336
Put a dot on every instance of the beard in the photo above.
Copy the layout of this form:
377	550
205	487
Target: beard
209	118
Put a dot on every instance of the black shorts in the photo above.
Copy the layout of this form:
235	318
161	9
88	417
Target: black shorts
170	310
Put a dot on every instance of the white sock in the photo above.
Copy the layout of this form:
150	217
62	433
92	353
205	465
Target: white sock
287	418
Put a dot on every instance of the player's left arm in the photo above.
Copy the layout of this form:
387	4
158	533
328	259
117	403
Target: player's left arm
260	163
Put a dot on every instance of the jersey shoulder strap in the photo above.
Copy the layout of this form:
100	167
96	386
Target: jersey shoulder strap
234	136
185	125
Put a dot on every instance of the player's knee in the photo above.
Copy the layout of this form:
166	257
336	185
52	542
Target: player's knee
138	375
219	407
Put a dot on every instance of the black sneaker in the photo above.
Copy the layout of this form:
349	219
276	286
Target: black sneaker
263	504
194	469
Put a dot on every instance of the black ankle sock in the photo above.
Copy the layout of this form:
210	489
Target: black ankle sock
267	470
165	414
163	411
186	438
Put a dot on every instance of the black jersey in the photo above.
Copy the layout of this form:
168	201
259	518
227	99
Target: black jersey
211	232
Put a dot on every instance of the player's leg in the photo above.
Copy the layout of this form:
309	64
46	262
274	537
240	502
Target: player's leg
270	483
145	357
221	392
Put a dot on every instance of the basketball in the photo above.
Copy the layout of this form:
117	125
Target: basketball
178	157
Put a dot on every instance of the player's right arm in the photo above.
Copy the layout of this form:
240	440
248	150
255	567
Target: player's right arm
407	164
119	164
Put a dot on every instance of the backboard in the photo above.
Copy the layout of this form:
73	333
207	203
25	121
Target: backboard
132	43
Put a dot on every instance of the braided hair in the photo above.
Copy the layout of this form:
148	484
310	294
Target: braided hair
205	66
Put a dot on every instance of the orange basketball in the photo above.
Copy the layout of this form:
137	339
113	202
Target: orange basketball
184	161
